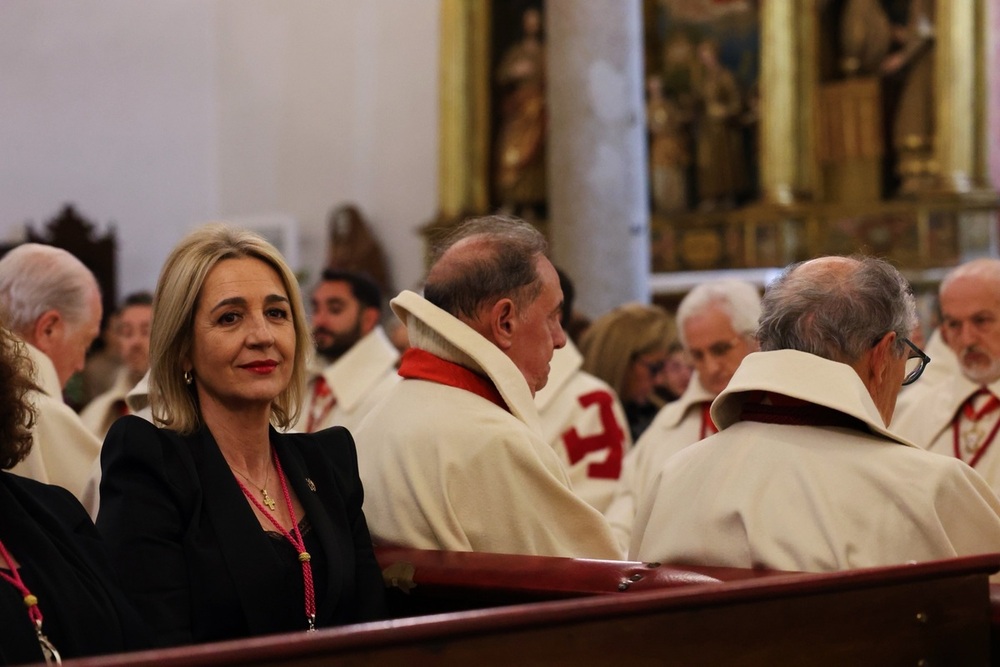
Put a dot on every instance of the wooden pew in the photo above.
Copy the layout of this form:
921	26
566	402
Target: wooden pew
935	613
423	581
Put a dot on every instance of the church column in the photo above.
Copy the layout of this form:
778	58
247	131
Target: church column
464	102
955	74
786	89
988	101
598	204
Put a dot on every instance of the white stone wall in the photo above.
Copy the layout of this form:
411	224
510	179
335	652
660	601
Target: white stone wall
160	114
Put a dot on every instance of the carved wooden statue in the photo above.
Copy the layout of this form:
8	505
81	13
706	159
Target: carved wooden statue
353	246
520	150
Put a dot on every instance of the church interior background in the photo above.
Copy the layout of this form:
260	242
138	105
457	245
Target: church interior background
770	131
775	131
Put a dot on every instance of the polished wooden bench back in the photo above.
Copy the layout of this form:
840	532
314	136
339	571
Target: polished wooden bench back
929	613
422	581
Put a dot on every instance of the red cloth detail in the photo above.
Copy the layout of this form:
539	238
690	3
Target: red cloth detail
323	401
968	408
969	413
708	426
321	389
611	438
422	365
782	409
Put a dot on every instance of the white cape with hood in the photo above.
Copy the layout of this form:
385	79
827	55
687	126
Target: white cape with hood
811	498
445	468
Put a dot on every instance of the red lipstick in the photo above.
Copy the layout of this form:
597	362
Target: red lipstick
262	367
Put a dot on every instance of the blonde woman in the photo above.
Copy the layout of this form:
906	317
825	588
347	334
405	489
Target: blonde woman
220	525
628	349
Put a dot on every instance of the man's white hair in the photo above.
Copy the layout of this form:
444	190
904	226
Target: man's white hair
739	300
36	278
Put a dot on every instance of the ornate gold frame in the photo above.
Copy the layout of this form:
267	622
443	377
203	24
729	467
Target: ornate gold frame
788	223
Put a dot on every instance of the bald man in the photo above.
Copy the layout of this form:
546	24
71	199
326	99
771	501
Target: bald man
454	457
958	414
804	474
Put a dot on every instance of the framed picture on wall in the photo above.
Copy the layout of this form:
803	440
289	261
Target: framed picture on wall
281	230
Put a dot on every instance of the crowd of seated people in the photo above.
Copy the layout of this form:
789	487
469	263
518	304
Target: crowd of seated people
255	452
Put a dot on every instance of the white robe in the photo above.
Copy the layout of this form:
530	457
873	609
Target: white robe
445	468
586	425
137	399
359	379
924	416
102	411
811	498
63	448
675	427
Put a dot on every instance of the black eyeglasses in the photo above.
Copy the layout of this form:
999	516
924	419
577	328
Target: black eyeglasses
916	361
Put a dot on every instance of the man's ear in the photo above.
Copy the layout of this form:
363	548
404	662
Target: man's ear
47	330
369	318
502	323
882	354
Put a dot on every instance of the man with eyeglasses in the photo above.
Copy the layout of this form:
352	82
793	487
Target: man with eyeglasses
716	322
804	474
958	414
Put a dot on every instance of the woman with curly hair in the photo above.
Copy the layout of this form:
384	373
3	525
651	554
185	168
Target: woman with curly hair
58	595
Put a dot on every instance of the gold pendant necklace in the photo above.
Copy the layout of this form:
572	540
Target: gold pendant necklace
267	499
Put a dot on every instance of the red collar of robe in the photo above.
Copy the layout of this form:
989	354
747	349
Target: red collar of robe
772	408
422	365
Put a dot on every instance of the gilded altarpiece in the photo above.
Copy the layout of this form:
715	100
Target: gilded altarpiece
778	130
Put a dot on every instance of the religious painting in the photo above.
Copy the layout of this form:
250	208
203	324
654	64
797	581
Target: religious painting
518	109
876	111
702	67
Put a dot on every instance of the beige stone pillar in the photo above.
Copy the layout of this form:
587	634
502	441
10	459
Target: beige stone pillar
787	91
598	202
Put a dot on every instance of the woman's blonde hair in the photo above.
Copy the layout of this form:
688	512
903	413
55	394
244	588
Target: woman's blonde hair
174	403
616	338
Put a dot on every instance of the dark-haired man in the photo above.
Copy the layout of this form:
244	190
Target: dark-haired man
355	363
132	325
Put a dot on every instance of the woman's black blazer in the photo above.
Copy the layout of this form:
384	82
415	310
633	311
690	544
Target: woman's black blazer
191	553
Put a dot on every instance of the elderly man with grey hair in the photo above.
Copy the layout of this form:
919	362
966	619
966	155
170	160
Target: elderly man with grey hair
52	301
716	322
804	474
958	412
454	457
